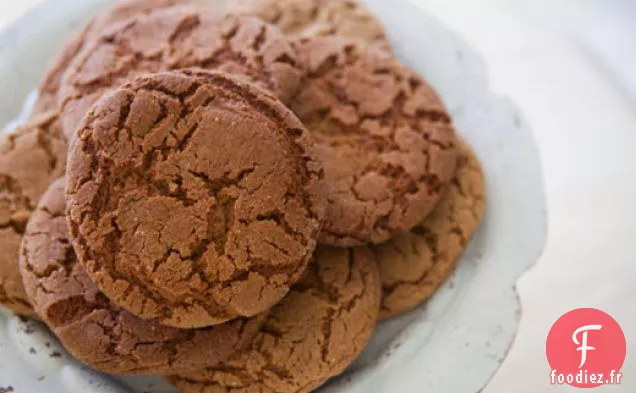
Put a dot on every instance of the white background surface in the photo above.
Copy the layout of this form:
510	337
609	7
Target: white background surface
569	65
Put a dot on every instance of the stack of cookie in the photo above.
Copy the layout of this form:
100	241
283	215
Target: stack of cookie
231	196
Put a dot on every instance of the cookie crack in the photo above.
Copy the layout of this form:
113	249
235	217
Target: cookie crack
326	334
184	29
260	38
44	141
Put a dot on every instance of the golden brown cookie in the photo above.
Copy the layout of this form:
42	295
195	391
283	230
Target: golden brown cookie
414	265
31	157
177	38
48	90
385	139
311	336
310	18
96	331
194	197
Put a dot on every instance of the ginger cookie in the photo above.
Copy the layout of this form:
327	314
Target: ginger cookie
311	18
311	336
177	38
194	197
48	90
414	265
385	139
96	331
31	157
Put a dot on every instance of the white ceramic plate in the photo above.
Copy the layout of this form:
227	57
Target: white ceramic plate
452	344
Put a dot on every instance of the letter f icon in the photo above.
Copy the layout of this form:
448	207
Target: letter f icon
583	344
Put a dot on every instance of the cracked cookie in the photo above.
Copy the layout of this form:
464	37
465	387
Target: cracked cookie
384	137
310	18
31	157
96	331
48	90
194	197
414	265
177	38
311	336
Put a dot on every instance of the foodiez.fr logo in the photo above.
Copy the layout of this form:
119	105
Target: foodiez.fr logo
586	348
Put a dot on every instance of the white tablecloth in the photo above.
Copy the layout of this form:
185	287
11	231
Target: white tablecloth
568	64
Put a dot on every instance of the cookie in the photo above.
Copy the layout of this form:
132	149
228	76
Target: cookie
31	157
414	265
311	336
48	90
177	38
96	331
310	18
194	197
385	139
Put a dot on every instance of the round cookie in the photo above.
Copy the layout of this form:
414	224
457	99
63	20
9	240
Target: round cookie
177	38
96	331
385	139
310	18
31	157
414	265
194	197
48	90
311	336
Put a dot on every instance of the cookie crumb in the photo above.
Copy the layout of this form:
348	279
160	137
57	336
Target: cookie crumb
41	379
8	389
28	327
32	351
55	354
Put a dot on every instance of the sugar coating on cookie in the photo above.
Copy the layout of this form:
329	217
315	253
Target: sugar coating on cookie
48	90
311	18
177	38
385	139
414	265
311	336
96	331
194	197
31	157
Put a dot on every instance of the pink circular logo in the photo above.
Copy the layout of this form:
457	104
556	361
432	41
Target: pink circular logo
586	348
